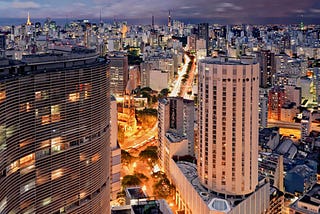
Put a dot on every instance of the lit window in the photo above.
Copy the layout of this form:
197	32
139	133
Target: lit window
55	113
13	167
45	143
25	143
46	201
87	90
28	186
95	158
73	97
38	95
56	174
25	107
56	145
2	96
45	119
27	160
3	204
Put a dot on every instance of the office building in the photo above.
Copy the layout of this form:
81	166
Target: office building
119	72
267	68
203	33
115	182
2	42
55	134
228	126
175	129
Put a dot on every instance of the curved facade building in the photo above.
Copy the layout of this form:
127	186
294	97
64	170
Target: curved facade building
228	126
54	126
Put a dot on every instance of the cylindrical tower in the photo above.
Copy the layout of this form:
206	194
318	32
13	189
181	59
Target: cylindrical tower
228	126
54	144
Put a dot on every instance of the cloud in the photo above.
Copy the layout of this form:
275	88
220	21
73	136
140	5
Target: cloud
25	5
315	10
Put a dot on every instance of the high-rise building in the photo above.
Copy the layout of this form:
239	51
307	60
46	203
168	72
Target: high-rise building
115	151
175	129
203	33
55	134
228	126
2	42
119	73
267	66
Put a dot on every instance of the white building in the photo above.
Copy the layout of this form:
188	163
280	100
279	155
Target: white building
228	125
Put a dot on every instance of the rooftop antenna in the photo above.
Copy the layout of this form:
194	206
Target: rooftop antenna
100	16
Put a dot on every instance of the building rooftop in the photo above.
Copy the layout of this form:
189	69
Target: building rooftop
228	61
214	200
175	137
136	193
311	198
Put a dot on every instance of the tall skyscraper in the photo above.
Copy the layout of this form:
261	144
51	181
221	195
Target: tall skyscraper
2	42
55	134
175	127
267	66
119	72
228	126
203	33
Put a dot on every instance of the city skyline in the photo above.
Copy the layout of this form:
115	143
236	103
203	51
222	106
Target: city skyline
215	11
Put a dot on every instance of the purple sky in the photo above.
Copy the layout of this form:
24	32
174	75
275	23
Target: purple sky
232	11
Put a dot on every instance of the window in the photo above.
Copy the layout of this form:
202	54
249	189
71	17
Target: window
13	167
3	204
25	107
27	186
2	96
55	174
42	153
41	95
56	145
46	201
55	113
45	119
73	97
27	160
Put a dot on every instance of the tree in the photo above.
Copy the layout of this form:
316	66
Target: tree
163	188
150	154
130	180
126	158
164	92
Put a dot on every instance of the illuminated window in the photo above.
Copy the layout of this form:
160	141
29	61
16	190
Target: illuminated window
46	201
45	119
73	97
25	143
2	96
56	174
55	113
3	204
28	169
25	107
27	186
95	158
87	90
27	160
56	145
13	167
38	95
44	143
41	95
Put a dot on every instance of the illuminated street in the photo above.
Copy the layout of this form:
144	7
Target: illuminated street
177	86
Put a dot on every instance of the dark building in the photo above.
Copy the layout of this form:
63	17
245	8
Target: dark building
54	143
266	60
203	33
2	42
